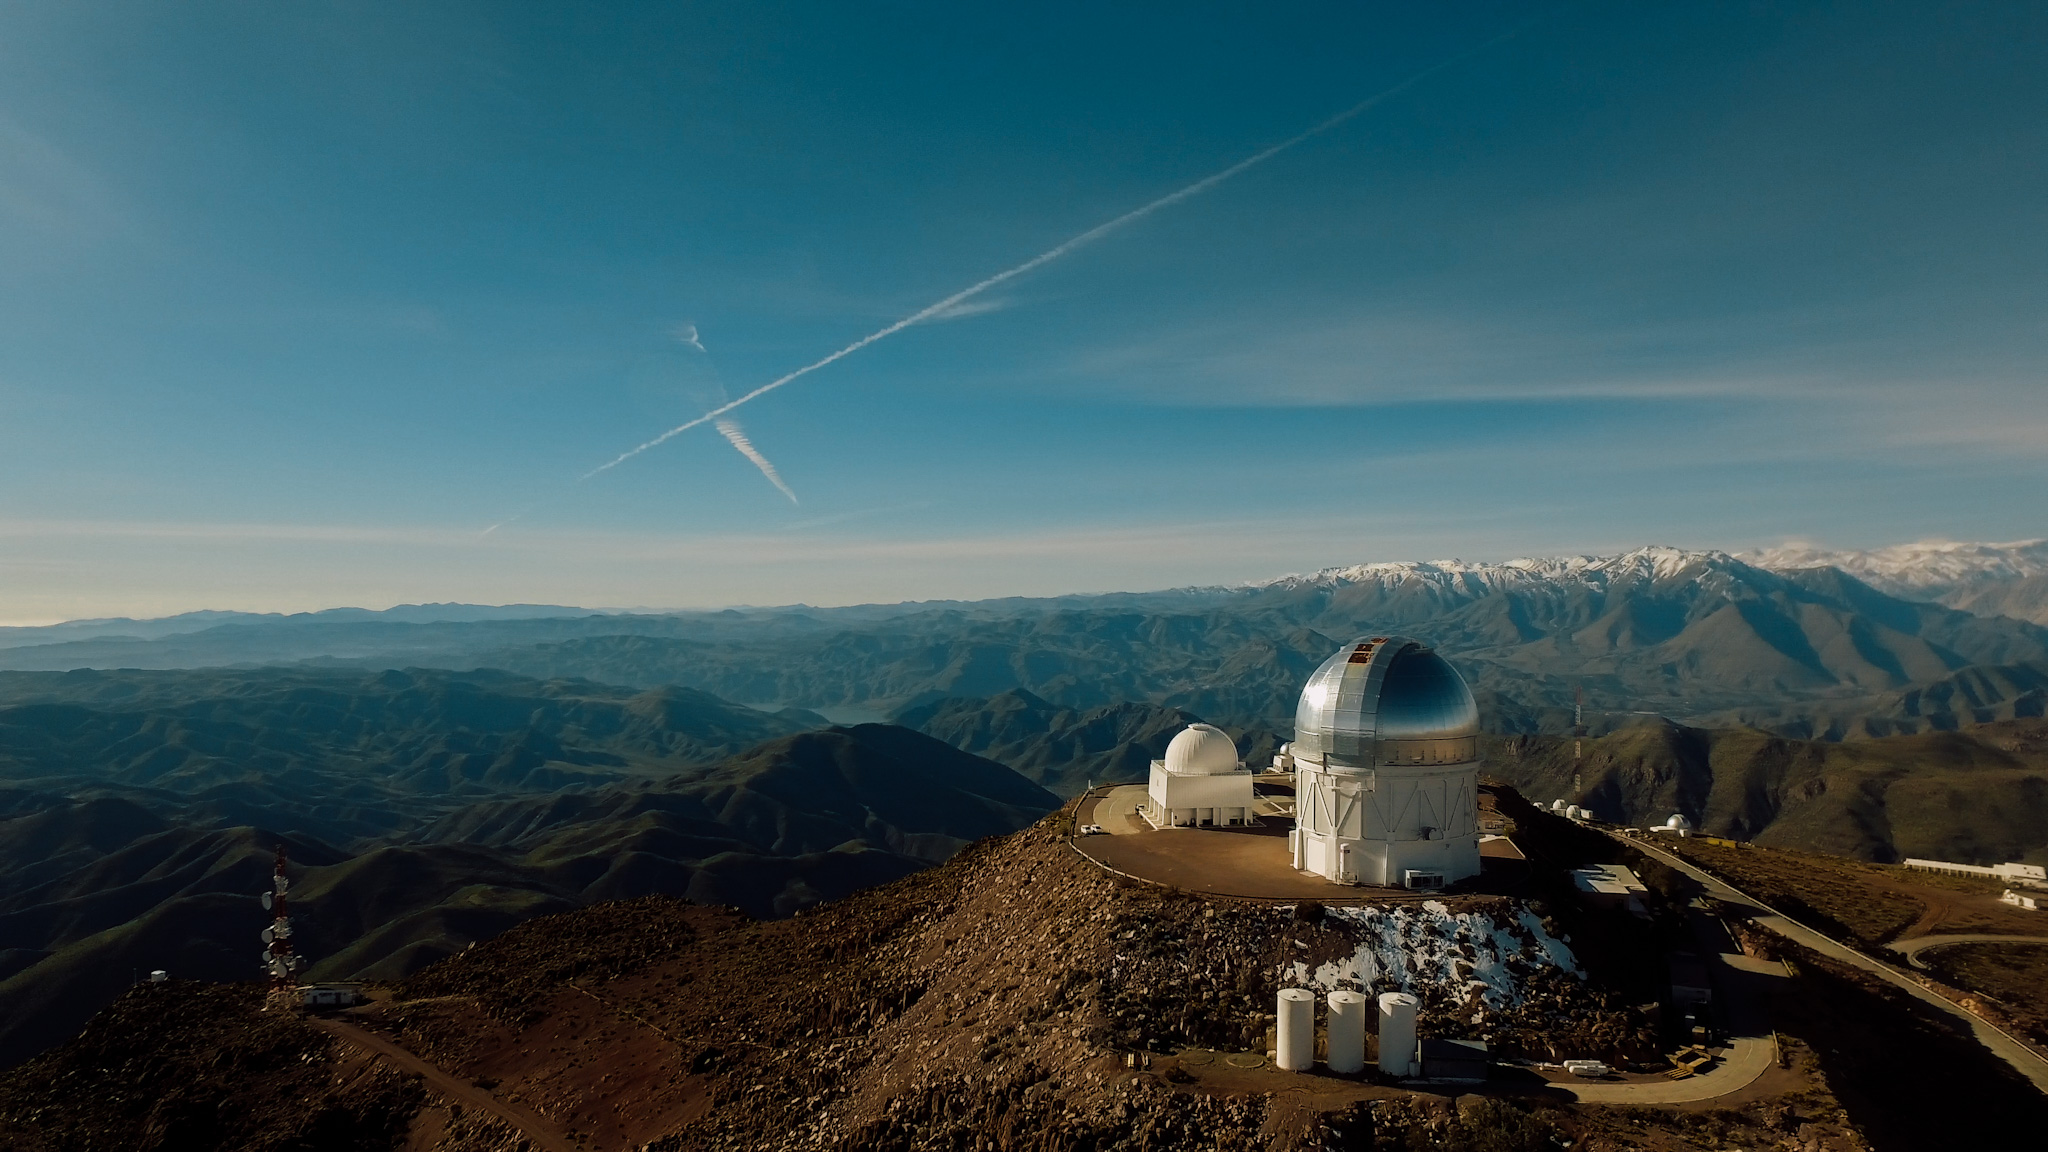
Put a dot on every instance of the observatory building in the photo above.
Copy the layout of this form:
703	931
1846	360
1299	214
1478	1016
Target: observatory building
1386	760
1201	782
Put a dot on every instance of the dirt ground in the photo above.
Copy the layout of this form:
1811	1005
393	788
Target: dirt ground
2014	976
1002	1002
1865	904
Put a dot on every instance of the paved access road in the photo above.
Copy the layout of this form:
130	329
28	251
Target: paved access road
540	1132
1746	1058
2029	1063
1911	949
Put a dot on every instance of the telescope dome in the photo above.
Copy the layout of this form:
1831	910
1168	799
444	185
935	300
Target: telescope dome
1201	750
1387	700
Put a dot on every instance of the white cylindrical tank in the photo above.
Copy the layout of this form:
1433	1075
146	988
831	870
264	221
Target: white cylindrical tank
1297	1028
1397	1033
1347	1032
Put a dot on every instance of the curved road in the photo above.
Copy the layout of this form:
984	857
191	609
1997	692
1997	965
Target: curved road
2028	1062
1746	1059
541	1133
1911	949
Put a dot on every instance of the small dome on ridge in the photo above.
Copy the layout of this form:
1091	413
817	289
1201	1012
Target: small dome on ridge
1202	750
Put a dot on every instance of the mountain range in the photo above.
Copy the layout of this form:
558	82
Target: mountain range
1988	579
1067	749
439	773
423	811
1700	637
1979	795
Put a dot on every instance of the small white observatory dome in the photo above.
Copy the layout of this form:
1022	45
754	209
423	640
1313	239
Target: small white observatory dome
1678	821
1558	805
1201	750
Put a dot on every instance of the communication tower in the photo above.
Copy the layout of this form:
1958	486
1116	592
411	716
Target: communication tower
1578	741
278	959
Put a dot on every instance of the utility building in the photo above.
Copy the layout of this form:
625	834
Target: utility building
1386	760
1201	782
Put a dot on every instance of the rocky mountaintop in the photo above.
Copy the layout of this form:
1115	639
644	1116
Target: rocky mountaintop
1016	998
987	1000
1653	563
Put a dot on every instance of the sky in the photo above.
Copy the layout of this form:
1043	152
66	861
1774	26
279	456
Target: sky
314	304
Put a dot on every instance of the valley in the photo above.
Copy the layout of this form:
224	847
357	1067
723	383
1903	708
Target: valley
428	811
566	813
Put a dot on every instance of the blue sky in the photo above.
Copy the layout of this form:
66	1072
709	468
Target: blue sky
297	300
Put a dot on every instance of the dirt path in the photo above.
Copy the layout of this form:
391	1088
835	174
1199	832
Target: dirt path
541	1133
1938	909
1911	949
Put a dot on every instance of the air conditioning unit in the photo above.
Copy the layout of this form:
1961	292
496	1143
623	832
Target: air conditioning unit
1414	878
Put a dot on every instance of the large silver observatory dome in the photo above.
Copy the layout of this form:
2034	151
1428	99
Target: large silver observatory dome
1386	700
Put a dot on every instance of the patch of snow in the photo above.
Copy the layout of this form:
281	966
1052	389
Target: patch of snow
1410	948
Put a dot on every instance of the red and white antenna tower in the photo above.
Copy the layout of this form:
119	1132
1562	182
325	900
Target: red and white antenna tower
278	959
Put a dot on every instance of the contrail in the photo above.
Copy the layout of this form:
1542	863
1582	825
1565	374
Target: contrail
730	429
1050	255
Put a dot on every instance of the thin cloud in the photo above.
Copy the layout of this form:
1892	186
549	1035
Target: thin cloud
1072	244
968	308
730	429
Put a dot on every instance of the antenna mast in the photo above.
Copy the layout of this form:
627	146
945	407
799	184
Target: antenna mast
278	959
1578	741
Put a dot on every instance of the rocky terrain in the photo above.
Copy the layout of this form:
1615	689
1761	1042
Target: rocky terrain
431	809
1015	998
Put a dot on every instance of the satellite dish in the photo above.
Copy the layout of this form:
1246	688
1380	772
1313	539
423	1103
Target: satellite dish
269	934
265	897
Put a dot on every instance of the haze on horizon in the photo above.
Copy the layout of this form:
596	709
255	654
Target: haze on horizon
296	301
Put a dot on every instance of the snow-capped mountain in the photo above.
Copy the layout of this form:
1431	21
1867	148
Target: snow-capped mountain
2009	579
1922	570
1653	564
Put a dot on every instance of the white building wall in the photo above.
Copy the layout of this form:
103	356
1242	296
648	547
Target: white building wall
1179	800
1373	826
2033	874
